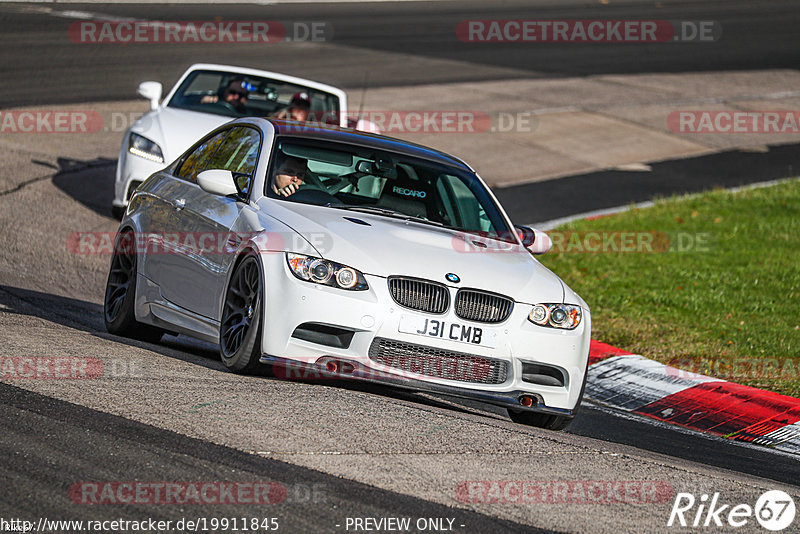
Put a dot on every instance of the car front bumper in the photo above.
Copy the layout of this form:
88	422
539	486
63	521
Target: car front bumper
373	314
293	370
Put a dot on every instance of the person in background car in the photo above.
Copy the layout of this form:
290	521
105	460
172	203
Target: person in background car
234	94
299	108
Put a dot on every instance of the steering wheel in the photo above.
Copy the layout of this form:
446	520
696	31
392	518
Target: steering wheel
226	106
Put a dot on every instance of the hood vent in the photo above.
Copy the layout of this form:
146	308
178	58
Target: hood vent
357	221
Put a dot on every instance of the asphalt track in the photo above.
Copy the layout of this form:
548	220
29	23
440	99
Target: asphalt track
573	195
125	450
112	433
380	44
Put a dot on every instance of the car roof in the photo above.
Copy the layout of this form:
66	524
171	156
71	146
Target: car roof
364	139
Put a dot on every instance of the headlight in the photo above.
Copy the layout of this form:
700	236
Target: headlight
328	273
145	148
565	316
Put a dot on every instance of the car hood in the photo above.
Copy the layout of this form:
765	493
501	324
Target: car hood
386	246
175	130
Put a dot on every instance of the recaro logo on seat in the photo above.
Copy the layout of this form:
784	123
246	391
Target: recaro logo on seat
409	192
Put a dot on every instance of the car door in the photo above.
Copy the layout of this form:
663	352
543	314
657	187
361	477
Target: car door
196	274
164	230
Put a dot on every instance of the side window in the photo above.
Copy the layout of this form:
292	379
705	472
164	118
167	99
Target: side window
471	214
195	163
238	154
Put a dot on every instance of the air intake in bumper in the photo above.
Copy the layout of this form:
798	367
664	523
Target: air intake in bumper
543	375
438	363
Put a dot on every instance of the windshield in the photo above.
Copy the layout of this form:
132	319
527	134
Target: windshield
238	95
349	177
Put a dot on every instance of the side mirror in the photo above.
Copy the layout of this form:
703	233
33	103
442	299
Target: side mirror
217	182
363	125
151	91
367	126
536	241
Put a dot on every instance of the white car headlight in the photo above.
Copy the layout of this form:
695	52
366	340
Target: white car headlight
329	273
145	148
564	316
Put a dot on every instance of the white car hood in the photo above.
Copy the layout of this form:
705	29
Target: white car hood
396	247
175	130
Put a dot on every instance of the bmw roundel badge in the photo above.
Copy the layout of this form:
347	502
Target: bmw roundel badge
452	277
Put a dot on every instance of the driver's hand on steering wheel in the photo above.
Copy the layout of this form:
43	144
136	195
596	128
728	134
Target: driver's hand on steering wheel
287	190
287	182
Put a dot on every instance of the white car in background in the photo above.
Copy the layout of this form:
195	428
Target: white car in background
194	107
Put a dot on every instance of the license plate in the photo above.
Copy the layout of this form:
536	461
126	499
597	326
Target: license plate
450	330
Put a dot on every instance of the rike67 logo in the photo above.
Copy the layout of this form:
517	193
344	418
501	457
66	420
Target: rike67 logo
774	510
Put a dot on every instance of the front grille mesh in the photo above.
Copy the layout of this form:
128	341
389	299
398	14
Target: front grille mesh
482	307
438	363
419	294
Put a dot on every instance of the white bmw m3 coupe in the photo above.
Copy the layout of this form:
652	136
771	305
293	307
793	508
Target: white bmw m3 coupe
355	255
207	96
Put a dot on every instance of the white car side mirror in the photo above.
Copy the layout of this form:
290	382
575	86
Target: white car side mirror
362	124
151	91
217	182
367	126
536	241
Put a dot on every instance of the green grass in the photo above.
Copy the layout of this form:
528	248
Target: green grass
729	308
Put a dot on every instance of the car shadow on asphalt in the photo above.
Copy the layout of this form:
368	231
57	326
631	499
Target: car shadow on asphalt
88	317
90	182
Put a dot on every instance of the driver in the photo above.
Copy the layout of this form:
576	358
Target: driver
289	175
234	94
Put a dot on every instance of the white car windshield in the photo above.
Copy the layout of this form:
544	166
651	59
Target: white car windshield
363	179
238	95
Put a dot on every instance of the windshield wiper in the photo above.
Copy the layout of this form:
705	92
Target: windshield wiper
387	212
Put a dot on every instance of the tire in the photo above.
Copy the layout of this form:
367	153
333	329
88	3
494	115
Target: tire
117	212
118	303
240	327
